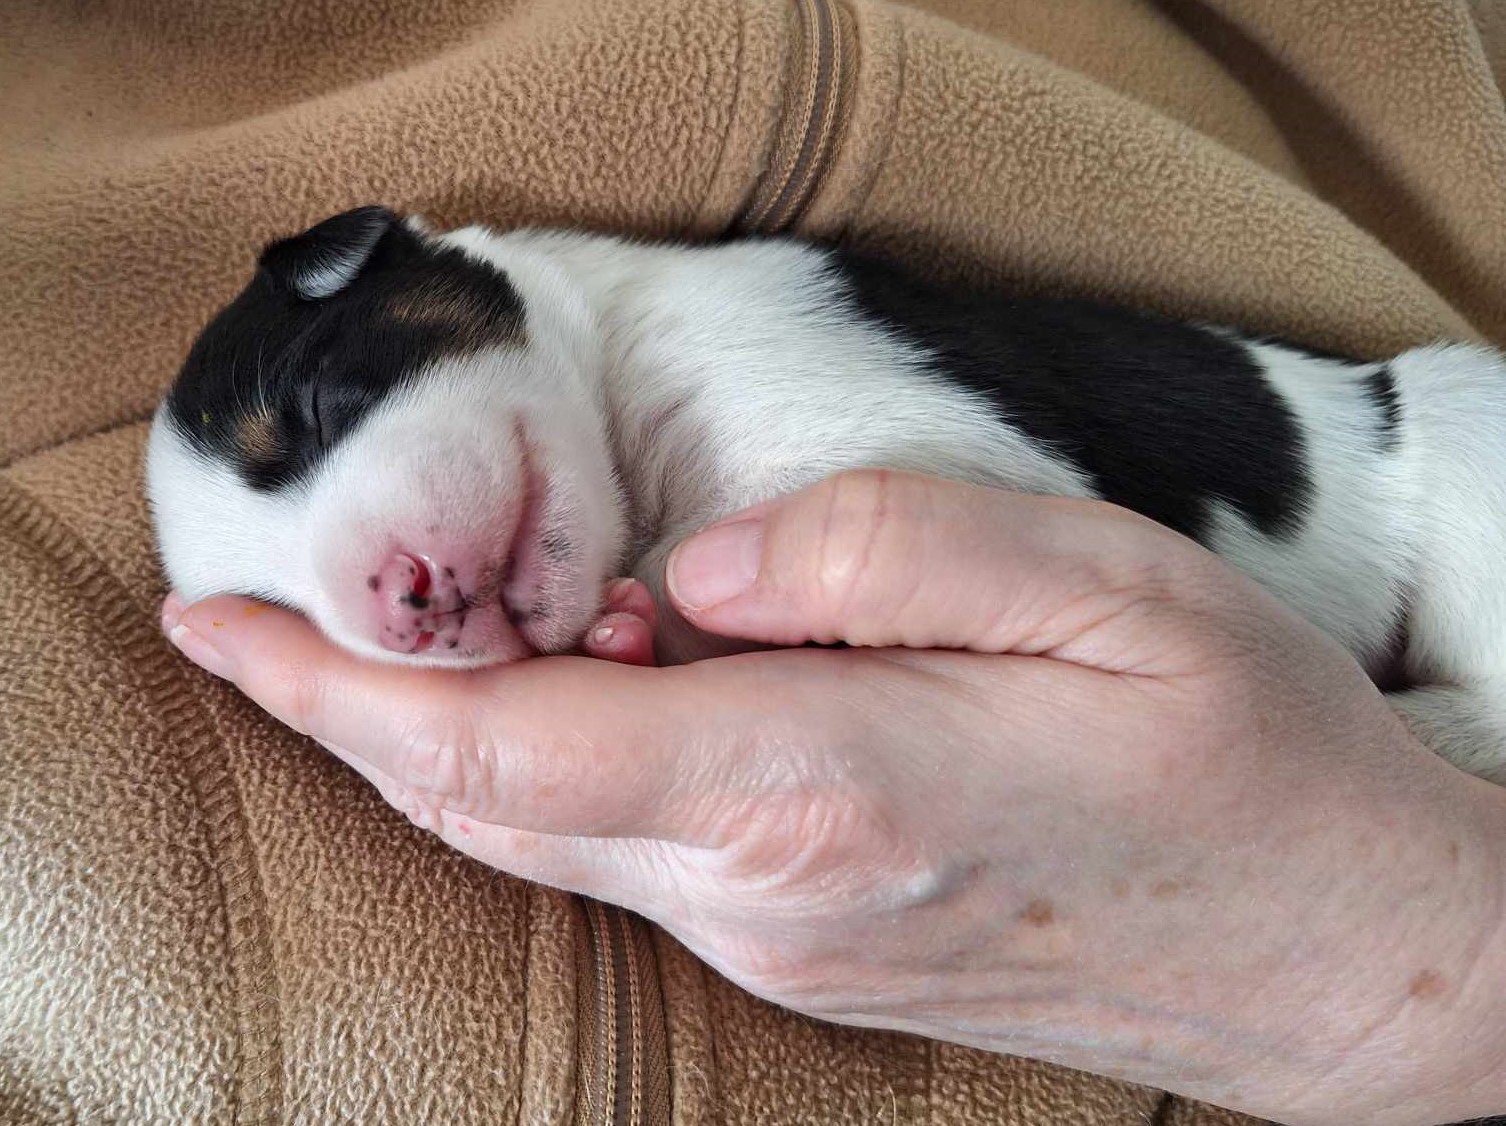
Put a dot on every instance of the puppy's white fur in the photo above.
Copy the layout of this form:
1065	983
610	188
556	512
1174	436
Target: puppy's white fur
663	387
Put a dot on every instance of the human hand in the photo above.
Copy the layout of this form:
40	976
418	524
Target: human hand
1083	793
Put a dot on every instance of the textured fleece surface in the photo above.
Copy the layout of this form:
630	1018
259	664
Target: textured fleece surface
204	919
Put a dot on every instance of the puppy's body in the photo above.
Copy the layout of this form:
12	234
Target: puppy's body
439	447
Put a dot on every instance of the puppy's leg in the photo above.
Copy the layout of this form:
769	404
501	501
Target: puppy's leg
1453	446
1464	724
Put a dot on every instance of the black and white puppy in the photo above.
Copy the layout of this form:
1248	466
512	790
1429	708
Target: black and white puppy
440	446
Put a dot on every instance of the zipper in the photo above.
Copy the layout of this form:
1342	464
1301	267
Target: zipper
623	1041
817	105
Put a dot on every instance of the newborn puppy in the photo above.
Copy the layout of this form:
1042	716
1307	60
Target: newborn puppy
441	446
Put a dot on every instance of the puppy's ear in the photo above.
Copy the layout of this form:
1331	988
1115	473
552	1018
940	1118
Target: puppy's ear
327	257
419	225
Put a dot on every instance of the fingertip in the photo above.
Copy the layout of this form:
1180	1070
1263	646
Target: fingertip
229	636
220	608
716	565
641	605
230	621
629	596
172	610
622	638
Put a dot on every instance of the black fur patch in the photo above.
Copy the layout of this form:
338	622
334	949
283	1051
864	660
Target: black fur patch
278	377
1381	387
1161	416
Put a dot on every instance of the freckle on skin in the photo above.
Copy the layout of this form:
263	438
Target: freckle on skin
1453	852
1039	913
1165	889
217	625
255	610
1427	984
1119	889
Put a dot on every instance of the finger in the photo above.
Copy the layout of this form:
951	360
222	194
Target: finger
892	559
564	745
604	868
630	596
624	638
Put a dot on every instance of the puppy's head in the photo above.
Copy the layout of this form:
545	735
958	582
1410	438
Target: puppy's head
400	438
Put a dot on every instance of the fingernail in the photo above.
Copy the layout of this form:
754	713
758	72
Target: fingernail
172	610
200	652
615	589
716	565
602	634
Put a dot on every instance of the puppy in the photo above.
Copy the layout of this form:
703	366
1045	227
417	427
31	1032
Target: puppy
441	446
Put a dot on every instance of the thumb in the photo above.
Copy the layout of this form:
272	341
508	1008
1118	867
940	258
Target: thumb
879	558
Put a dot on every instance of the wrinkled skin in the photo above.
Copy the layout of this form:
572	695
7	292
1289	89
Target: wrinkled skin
1079	792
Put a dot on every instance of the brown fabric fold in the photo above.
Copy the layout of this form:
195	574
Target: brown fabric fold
203	918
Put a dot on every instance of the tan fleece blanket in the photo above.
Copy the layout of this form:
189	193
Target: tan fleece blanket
205	919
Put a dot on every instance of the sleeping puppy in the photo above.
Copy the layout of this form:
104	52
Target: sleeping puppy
441	446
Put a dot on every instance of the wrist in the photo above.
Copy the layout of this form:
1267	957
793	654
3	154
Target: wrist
1358	975
1415	1033
1441	1052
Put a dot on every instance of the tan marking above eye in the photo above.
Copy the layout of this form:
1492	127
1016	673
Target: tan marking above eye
257	437
452	309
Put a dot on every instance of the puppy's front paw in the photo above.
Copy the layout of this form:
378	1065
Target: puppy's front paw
624	631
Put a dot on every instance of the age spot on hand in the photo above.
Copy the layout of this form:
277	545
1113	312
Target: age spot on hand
1426	985
1039	913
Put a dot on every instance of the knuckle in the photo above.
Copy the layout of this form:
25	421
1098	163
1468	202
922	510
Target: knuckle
443	762
856	518
793	853
422	812
1138	579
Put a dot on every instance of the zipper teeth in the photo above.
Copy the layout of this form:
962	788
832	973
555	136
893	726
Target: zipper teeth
802	119
626	1080
600	1077
816	25
814	118
617	1023
810	165
630	1108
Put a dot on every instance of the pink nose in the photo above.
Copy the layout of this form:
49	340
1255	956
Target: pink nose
417	605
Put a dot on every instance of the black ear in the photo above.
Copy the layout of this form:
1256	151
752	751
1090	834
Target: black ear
327	257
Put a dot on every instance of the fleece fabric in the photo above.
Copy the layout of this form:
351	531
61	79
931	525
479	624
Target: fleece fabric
205	919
